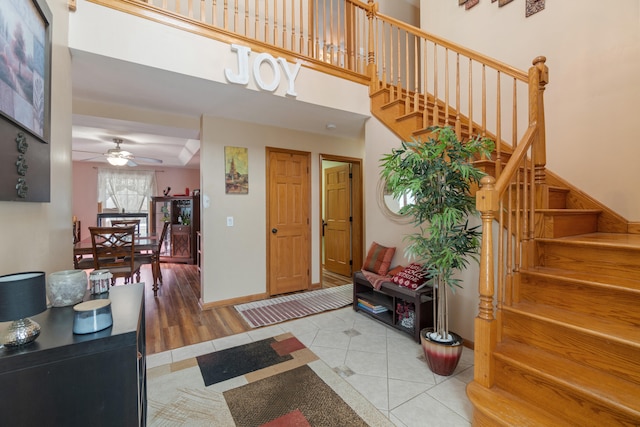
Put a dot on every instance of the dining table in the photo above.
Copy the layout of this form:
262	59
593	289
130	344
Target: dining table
147	243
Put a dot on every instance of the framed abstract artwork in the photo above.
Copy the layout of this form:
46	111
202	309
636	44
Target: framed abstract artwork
25	100
236	170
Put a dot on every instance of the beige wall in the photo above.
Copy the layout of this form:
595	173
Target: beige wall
37	236
593	55
234	261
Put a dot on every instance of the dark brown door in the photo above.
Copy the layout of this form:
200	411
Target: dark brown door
289	229
337	219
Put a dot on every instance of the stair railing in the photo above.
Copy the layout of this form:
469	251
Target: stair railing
510	201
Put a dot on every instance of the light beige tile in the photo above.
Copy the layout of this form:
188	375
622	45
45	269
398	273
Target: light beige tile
192	351
452	394
372	343
374	389
333	339
158	359
231	341
401	391
425	411
374	364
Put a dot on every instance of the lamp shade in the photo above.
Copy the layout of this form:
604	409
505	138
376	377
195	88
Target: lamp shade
22	295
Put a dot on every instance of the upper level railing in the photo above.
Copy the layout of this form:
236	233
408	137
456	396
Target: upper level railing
445	83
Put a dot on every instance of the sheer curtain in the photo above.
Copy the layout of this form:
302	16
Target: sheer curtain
130	190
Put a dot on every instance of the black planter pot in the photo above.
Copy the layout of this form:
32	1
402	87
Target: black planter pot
442	357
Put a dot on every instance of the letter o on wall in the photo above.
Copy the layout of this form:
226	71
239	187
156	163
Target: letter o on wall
265	57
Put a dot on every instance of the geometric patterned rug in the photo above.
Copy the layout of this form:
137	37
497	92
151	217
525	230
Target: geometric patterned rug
276	310
276	382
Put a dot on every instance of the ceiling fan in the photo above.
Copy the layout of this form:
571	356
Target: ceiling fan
119	157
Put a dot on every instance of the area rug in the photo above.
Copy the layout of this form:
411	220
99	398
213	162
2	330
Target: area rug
275	382
276	310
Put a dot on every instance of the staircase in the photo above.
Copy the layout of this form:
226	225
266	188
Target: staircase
568	347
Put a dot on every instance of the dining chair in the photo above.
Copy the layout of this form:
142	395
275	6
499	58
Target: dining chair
80	262
114	250
153	258
127	223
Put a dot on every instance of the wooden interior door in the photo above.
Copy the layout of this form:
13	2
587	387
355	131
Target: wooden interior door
289	228
337	219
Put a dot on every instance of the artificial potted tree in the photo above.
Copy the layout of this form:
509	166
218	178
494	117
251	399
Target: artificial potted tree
436	177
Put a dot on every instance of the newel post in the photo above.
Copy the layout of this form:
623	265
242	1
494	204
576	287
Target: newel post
538	79
371	55
485	323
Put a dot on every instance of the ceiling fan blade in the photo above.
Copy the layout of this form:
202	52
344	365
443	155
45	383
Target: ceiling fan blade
148	160
131	163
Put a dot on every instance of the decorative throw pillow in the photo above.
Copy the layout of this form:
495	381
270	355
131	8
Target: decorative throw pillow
378	259
412	277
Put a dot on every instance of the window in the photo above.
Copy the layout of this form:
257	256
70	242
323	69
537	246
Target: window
127	190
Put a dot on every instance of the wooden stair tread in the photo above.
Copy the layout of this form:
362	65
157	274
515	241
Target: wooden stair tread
586	277
503	408
613	240
595	384
569	211
607	330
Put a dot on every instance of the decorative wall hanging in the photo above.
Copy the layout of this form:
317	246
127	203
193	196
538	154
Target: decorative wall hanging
470	3
25	106
503	2
534	6
236	170
461	2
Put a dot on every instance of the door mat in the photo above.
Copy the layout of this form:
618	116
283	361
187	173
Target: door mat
276	310
295	388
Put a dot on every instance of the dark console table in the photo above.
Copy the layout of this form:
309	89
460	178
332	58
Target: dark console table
63	379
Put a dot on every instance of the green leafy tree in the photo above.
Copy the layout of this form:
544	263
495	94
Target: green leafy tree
437	175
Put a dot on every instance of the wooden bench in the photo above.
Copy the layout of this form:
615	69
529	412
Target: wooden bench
389	296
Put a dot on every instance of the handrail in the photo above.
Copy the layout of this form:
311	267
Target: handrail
494	63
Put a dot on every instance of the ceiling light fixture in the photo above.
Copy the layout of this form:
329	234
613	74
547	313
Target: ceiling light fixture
331	126
117	161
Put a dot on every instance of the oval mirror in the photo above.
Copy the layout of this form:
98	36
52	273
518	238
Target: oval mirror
391	206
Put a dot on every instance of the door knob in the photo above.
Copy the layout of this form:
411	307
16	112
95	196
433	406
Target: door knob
274	230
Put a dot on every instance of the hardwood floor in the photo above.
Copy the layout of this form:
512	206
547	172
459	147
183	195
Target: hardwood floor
174	318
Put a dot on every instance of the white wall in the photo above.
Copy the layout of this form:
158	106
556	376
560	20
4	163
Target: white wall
37	236
591	101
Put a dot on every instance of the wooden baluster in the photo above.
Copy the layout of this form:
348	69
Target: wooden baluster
246	18
416	76
302	32
484	100
214	15
235	17
485	324
398	65
498	163
446	86
458	122
425	114
164	4
332	48
203	17
436	102
178	7
392	81
340	59
190	8
266	21
407	80
256	18
225	15
275	23
470	97
293	26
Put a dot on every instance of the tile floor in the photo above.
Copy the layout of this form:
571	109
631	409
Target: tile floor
386	366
